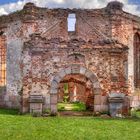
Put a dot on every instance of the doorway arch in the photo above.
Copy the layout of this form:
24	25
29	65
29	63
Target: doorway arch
73	69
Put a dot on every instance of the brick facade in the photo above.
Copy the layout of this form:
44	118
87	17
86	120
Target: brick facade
41	52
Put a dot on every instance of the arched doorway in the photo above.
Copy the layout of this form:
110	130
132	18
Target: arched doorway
137	60
75	93
71	70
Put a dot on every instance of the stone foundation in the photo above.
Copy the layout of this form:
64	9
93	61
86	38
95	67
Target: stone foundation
10	101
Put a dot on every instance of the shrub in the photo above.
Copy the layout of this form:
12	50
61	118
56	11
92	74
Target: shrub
135	113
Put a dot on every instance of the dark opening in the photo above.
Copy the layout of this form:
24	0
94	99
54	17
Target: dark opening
2	62
137	60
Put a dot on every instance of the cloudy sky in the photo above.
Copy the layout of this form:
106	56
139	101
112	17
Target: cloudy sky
8	6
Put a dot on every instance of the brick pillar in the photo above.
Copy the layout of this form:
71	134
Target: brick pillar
53	104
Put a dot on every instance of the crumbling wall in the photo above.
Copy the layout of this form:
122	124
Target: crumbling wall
39	45
16	33
48	59
123	28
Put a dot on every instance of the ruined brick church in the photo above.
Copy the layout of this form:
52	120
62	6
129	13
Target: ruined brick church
95	51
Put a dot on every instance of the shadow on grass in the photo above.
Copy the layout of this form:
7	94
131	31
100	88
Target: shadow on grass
16	112
9	111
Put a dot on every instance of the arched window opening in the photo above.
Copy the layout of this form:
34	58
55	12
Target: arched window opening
2	62
71	22
137	60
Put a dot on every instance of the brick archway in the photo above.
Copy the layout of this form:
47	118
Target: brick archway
73	69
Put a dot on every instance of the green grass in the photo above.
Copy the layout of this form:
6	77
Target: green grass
25	127
77	106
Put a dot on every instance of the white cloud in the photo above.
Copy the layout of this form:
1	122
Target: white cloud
8	8
3	11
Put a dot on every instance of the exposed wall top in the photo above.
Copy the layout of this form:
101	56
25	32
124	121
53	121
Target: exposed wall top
115	5
29	5
32	12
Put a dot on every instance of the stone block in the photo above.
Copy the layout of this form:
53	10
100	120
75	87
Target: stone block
57	79
25	102
62	74
36	108
88	74
46	106
97	91
96	85
93	78
53	108
97	100
24	109
136	98
115	107
118	95
104	108
36	99
47	98
68	70
2	104
104	100
6	98
82	70
97	108
75	69
126	106
53	91
126	101
9	104
53	99
135	104
36	103
54	85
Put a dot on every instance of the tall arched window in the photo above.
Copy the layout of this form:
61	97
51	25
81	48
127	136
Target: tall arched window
137	60
2	61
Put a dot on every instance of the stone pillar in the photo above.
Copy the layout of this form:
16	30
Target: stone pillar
116	101
36	103
53	104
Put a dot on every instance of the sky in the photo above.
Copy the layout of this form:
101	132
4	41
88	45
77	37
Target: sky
8	6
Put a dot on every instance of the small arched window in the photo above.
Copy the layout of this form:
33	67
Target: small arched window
2	62
71	22
137	60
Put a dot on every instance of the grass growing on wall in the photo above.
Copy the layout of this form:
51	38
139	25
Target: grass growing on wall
17	127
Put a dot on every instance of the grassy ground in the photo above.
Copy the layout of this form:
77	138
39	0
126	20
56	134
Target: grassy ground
77	106
16	127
